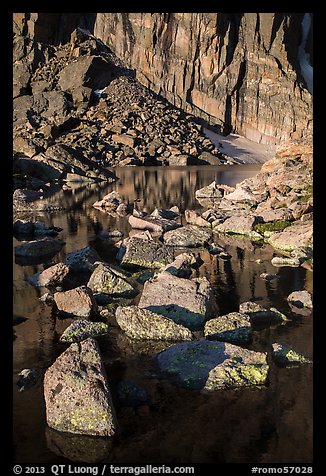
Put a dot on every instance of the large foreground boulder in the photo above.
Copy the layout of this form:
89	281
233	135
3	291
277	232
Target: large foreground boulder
188	302
143	324
212	365
297	235
77	394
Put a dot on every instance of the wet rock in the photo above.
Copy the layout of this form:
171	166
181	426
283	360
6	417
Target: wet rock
153	224
109	202
144	324
27	195
234	327
37	251
78	302
28	378
23	227
194	219
188	302
284	355
83	259
260	314
213	365
51	276
182	265
37	228
82	329
216	249
132	395
188	237
108	280
136	252
301	299
168	214
284	261
89	449
77	394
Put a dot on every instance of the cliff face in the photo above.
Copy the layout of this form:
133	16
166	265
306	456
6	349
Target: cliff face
237	70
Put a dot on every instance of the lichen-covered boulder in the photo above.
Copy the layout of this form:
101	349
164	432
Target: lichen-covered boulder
284	355
108	280
144	324
50	276
77	394
301	299
299	234
211	365
234	327
136	252
188	302
79	302
82	329
261	314
188	237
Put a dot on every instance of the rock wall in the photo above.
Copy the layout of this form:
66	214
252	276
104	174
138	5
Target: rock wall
236	70
239	71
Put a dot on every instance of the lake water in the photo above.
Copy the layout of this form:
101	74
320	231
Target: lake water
271	424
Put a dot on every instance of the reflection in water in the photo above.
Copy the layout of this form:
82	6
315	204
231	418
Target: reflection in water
272	424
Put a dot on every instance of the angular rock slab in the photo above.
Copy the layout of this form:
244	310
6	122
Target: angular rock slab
234	327
187	236
143	324
211	365
108	280
50	276
82	329
83	259
284	356
79	302
136	252
77	394
155	224
188	302
210	191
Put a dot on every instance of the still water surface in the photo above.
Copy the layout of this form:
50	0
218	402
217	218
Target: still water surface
270	424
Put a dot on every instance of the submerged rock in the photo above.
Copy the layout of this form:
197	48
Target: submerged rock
188	302
77	394
269	277
108	280
284	355
82	329
144	324
301	299
136	252
188	237
79	302
260	314
213	365
234	327
153	224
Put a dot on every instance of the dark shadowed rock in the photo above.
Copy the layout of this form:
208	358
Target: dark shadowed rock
234	327
77	394
78	302
189	237
261	314
186	301
143	324
131	394
213	365
28	378
37	251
